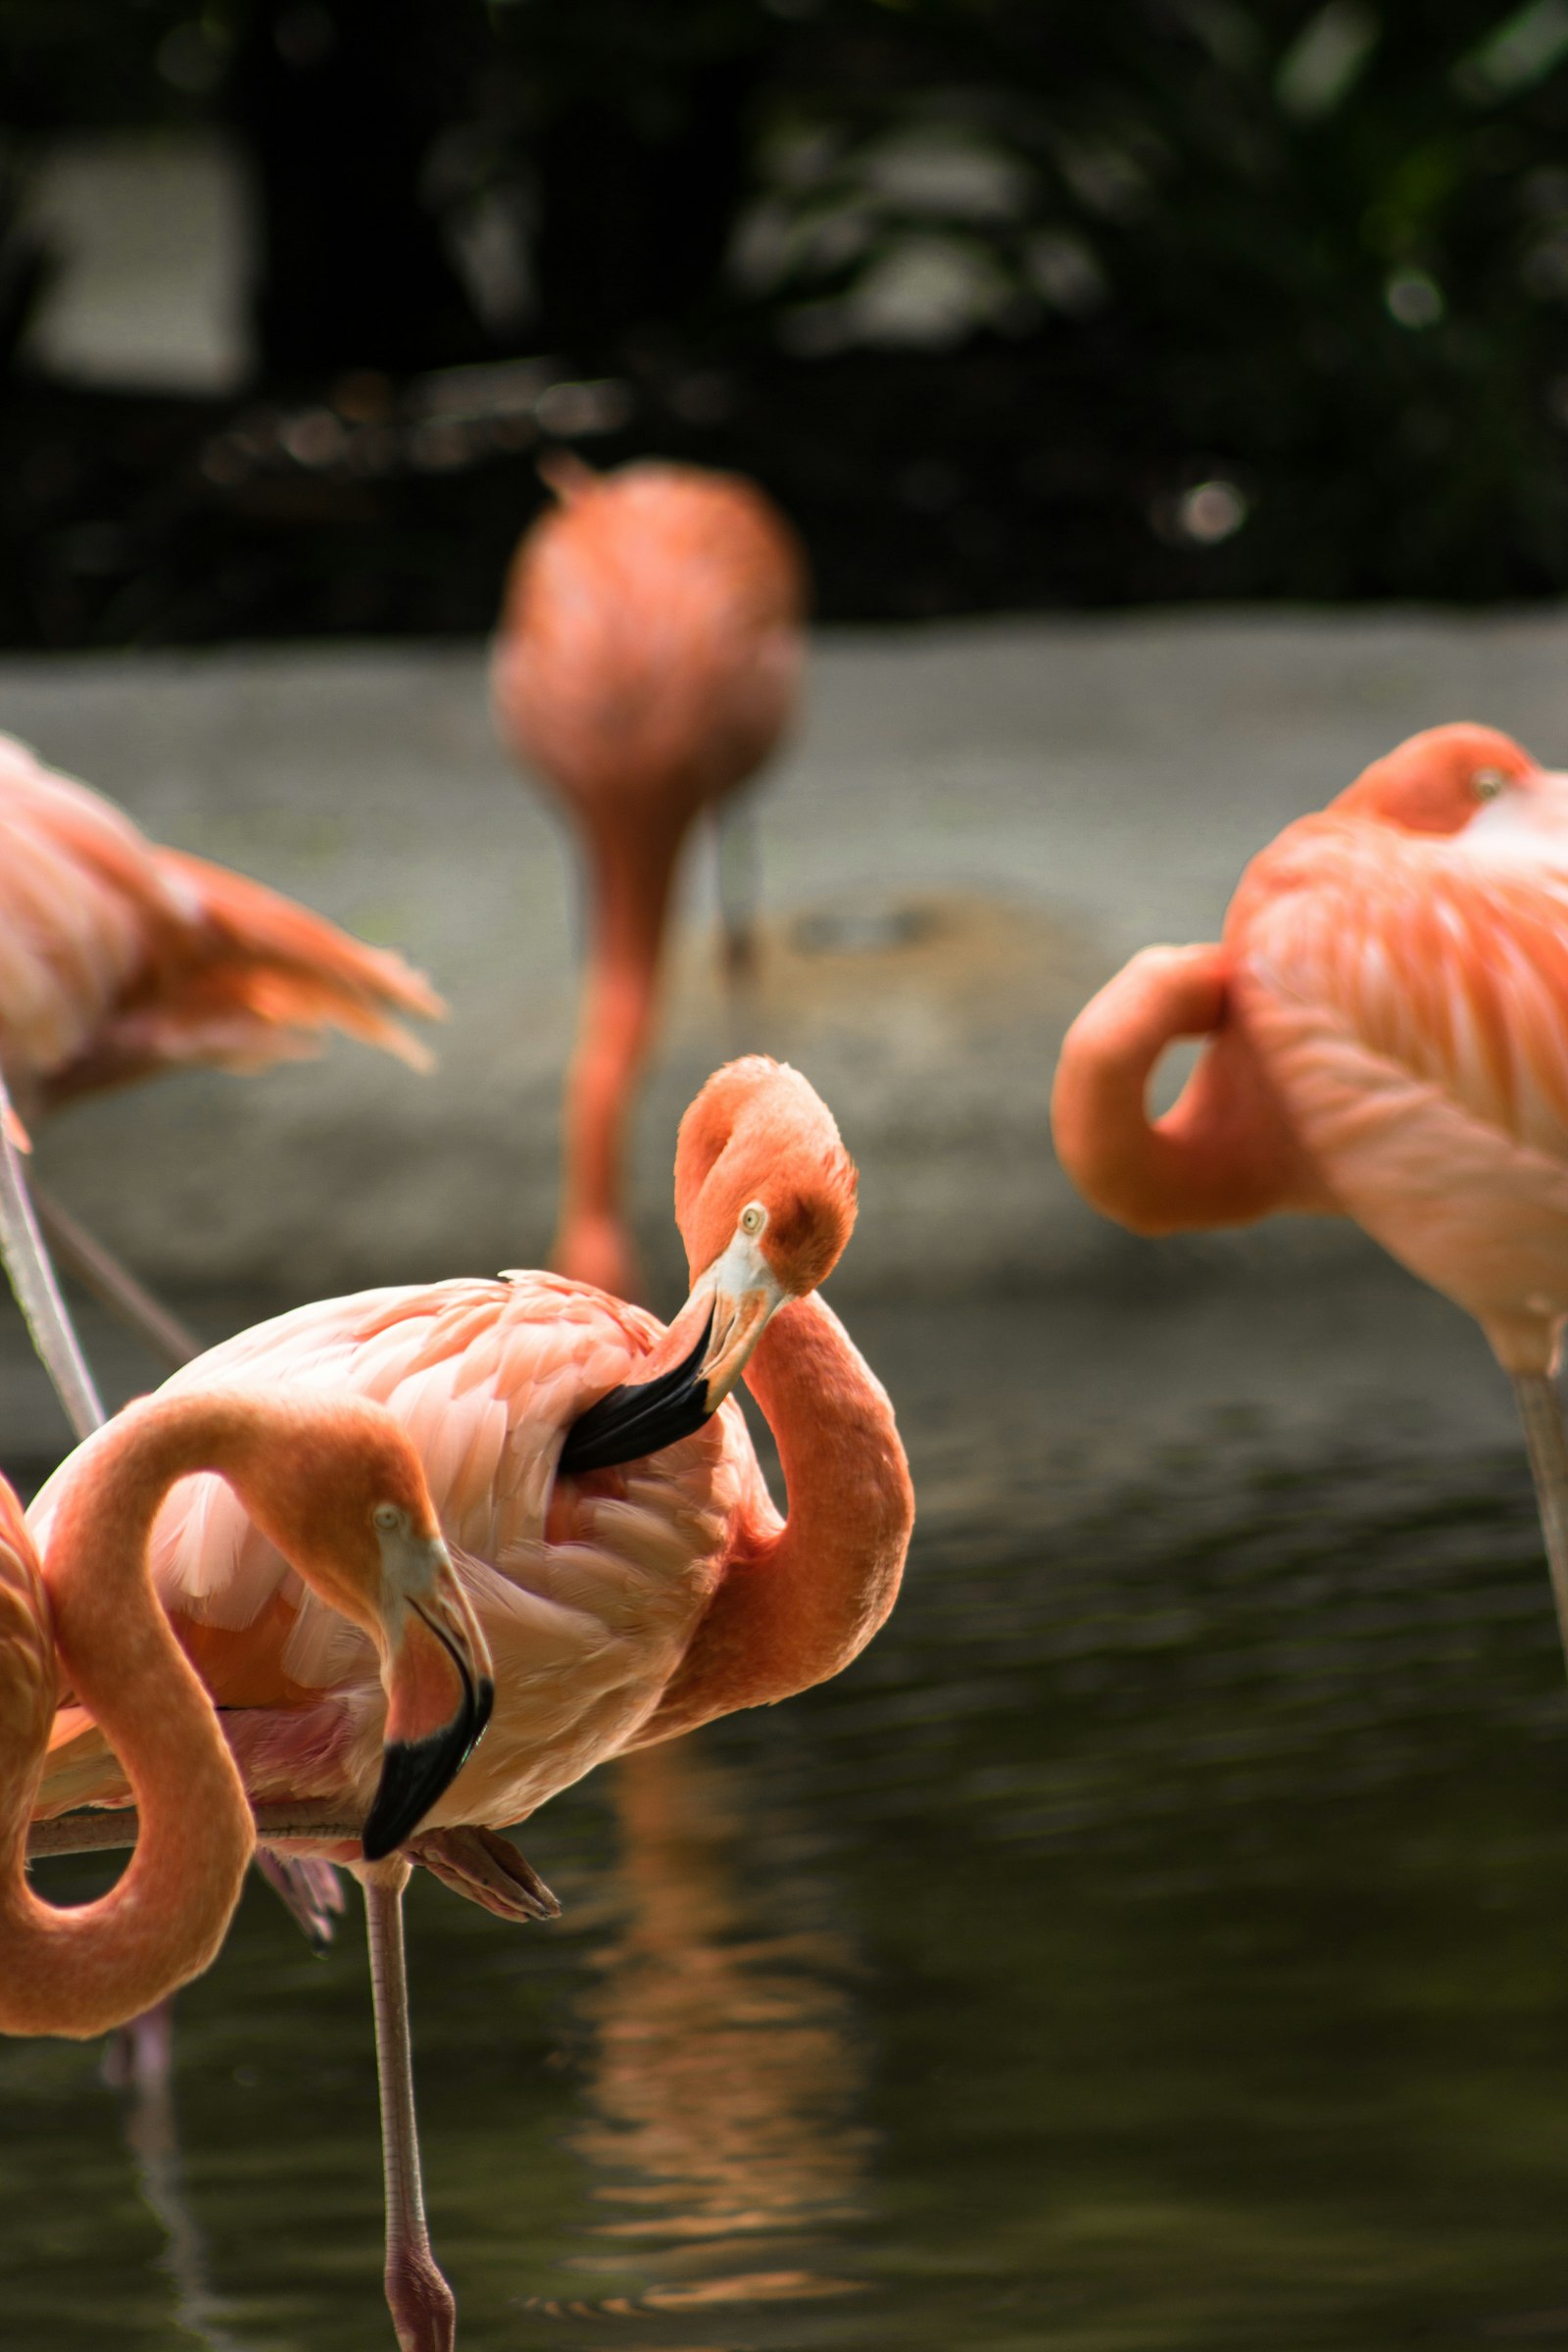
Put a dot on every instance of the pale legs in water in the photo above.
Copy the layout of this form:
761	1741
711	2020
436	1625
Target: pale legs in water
32	1278
423	2309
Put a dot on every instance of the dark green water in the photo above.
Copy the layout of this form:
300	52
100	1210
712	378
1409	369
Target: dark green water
1160	1940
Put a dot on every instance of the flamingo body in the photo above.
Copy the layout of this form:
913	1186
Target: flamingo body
647	661
119	958
650	645
618	1604
1389	1022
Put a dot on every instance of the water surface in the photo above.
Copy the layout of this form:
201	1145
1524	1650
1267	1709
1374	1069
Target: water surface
1159	1940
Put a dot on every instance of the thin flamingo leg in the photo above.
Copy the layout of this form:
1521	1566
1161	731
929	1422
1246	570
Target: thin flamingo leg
112	1285
1541	1410
423	2309
32	1278
735	848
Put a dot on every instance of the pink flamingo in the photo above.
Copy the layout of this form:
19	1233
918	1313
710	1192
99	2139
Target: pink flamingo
339	1490
1387	1017
118	960
619	1547
647	661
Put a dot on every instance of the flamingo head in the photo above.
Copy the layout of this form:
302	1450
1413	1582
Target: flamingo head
1438	781
765	1197
354	1512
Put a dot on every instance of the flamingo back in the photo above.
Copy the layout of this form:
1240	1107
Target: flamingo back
651	641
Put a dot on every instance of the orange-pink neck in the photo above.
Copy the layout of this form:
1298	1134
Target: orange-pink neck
81	1971
631	868
1225	1154
798	1601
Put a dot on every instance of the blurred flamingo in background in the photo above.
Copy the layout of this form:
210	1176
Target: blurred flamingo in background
339	1488
118	960
1389	1022
647	663
618	1546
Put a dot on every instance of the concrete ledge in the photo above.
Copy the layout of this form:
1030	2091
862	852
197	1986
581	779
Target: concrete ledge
1019	806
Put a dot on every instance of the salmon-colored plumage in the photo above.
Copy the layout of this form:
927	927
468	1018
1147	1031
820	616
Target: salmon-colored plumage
619	1605
647	661
1389	1018
119	958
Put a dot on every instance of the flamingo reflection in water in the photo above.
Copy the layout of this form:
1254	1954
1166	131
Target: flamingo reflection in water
727	2071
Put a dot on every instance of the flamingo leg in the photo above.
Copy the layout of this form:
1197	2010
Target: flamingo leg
423	2309
1541	1410
32	1278
735	847
112	1285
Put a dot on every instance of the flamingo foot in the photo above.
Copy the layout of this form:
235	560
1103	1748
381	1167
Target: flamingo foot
486	1870
309	1890
423	2307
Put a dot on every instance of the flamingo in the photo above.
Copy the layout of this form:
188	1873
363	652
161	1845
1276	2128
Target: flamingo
606	1513
1388	1024
339	1490
647	661
120	959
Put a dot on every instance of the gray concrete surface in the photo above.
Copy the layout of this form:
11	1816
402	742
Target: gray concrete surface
1018	804
1040	798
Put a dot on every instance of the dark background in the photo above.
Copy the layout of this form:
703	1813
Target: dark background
1012	304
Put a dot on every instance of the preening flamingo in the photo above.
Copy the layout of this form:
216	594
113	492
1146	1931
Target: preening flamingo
339	1490
118	960
647	661
1388	1016
620	1547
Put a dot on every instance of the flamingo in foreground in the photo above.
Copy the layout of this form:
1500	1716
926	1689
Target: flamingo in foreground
118	960
1388	1016
606	1515
647	663
339	1490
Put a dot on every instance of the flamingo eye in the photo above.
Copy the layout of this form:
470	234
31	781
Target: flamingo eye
388	1517
754	1217
1488	782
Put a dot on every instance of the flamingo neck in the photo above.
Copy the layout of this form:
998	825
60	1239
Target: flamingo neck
798	1602
1224	1154
81	1971
630	871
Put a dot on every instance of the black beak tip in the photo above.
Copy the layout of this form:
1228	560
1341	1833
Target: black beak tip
416	1772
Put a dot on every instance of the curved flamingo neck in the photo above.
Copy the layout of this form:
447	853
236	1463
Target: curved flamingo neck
81	1971
1225	1154
631	868
798	1602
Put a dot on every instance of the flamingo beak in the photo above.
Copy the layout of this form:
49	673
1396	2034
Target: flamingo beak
727	1312
441	1688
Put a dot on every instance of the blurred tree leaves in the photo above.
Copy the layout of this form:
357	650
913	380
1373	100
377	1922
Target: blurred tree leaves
1278	288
